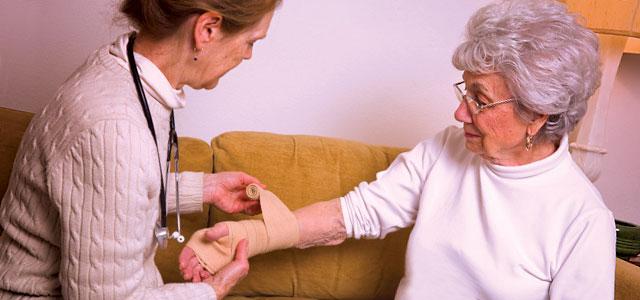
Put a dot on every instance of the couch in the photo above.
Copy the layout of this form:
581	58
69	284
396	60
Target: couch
300	170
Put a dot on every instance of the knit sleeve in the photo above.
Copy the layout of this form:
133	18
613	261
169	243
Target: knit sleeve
190	189
586	262
106	191
373	210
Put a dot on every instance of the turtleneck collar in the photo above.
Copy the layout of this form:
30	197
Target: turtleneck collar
153	80
536	167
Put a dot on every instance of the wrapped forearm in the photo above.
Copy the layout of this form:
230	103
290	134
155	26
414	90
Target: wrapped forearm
277	230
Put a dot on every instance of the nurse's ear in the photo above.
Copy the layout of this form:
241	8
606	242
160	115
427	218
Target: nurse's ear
207	29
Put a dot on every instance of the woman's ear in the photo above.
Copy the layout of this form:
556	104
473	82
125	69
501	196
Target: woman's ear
207	28
537	123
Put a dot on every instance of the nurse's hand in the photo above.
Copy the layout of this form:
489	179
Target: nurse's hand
190	266
226	191
225	279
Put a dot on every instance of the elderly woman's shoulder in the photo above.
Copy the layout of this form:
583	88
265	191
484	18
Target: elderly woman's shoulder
449	135
574	189
448	141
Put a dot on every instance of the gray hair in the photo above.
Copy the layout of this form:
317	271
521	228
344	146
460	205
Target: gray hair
549	61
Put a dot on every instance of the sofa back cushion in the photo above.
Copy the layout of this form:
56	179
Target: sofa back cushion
195	156
13	124
302	170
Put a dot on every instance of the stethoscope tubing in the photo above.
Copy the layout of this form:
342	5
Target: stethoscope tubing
161	230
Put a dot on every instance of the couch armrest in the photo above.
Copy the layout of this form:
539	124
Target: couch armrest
13	124
627	281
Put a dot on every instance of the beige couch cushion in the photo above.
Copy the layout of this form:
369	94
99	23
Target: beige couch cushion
13	123
627	281
302	170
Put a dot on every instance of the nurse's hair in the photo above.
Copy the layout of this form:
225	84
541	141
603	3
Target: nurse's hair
162	18
549	61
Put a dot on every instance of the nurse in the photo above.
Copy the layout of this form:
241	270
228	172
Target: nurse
83	213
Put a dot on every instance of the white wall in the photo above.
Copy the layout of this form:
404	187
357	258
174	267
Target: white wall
370	70
375	71
42	42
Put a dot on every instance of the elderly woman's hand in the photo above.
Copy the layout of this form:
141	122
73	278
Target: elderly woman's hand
225	278
226	191
189	264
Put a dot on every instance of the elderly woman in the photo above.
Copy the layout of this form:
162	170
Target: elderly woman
499	208
89	189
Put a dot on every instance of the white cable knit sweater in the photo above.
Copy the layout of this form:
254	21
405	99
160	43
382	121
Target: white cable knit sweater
82	203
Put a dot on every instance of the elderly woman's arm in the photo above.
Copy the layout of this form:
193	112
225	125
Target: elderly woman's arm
321	224
391	202
371	210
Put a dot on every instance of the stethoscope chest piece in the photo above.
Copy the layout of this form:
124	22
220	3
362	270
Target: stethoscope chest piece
162	235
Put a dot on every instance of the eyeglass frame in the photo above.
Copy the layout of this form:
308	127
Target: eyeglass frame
462	96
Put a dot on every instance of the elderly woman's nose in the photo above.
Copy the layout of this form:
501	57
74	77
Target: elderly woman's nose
462	113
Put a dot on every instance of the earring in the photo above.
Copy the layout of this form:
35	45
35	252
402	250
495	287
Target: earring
528	142
195	56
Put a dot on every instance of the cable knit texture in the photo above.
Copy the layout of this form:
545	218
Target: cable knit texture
82	203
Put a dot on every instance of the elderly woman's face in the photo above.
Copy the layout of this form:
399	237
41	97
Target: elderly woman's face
496	133
231	50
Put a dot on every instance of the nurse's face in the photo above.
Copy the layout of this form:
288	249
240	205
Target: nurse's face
227	52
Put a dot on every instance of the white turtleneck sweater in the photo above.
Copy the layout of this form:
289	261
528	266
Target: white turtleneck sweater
82	203
483	231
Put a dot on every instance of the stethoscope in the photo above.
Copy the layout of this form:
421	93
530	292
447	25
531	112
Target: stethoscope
161	231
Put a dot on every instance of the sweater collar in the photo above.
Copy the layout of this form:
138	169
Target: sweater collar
153	80
536	167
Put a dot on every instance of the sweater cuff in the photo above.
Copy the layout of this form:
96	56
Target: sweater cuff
189	291
190	185
206	290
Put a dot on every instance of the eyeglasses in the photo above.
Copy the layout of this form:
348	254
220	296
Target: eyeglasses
474	105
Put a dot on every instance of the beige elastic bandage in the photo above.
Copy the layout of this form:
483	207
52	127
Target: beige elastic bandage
277	230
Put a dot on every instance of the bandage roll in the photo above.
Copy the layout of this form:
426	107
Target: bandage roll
253	191
277	230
